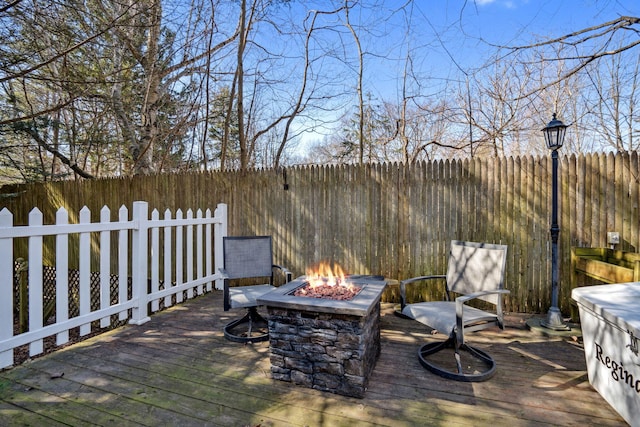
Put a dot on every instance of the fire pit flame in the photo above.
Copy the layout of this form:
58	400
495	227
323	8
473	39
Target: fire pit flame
326	281
324	273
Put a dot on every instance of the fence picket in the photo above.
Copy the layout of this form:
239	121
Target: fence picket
139	263
189	239
155	261
219	230
199	252
35	283
179	258
123	261
6	292
208	250
62	276
84	291
105	266
168	255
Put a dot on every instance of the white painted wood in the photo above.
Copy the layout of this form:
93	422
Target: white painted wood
168	253
62	276
220	231
199	248
179	256
189	254
85	271
35	282
105	266
131	262
52	230
139	263
155	262
6	292
54	328
123	261
208	257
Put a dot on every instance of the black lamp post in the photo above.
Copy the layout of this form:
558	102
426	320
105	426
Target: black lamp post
554	137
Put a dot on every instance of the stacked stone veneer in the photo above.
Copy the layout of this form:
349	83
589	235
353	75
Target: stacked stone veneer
328	352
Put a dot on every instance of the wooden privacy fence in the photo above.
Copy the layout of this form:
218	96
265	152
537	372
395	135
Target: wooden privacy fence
161	259
397	219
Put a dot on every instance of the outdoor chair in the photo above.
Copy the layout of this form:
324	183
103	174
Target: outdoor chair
475	272
248	257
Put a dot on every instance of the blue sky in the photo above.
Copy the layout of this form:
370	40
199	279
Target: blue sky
515	21
446	38
453	34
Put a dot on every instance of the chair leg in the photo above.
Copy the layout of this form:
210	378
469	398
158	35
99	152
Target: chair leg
246	334
458	375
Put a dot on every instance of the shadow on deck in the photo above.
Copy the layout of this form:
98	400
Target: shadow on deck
179	370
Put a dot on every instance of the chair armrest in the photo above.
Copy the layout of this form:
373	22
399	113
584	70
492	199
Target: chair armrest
464	298
225	289
288	275
404	283
460	309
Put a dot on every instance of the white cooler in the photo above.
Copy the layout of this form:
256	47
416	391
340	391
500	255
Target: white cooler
610	321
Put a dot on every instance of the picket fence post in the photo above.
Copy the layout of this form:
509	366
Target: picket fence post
123	261
179	255
85	270
199	248
139	264
6	291
189	253
167	259
62	276
105	266
220	230
35	282
155	260
208	249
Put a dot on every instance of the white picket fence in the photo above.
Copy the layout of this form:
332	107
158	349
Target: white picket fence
139	255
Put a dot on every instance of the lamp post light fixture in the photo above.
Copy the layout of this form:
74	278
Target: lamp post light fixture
554	137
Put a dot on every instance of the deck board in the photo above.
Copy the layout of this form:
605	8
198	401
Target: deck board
178	369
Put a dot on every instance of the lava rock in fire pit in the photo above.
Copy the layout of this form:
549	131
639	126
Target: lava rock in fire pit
339	292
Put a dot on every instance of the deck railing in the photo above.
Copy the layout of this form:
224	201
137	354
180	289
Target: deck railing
157	262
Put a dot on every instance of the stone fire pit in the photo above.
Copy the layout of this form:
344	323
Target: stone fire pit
325	344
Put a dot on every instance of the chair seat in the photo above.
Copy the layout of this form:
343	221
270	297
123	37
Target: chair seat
246	296
441	315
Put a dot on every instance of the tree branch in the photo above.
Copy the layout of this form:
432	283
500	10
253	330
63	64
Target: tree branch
64	159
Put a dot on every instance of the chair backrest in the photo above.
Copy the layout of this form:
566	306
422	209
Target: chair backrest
475	267
248	256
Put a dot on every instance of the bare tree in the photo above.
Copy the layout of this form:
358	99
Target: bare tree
580	48
306	89
497	108
615	98
359	90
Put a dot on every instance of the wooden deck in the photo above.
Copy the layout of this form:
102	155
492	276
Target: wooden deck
178	369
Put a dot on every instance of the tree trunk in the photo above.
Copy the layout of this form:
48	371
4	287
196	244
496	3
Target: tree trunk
143	150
